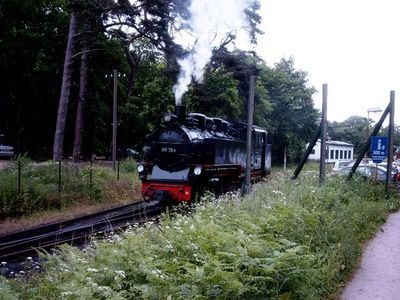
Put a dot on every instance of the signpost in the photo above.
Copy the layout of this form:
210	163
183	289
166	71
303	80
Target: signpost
379	148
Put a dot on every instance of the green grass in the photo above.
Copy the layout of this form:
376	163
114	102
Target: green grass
40	189
288	240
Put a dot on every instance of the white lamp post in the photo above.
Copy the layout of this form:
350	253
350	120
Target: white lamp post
371	110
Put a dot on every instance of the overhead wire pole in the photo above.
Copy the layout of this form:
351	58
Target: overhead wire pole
323	134
114	127
250	111
319	133
390	150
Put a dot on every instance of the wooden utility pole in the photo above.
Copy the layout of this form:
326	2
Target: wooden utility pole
58	146
320	133
390	142
114	127
323	134
250	111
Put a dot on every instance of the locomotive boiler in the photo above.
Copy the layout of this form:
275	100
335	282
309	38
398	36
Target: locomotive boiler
191	152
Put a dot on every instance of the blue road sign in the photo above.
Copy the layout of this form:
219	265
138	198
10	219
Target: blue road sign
379	147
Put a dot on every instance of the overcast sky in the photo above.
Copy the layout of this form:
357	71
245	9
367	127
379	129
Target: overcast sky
352	45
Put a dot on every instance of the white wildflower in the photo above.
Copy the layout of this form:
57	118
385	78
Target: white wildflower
120	273
278	193
3	263
156	272
103	289
29	258
117	238
66	294
92	270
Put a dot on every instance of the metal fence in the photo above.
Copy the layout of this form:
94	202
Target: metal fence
27	186
18	165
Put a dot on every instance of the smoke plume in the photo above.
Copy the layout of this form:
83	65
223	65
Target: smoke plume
211	21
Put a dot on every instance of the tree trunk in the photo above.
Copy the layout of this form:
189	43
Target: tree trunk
65	89
133	61
79	123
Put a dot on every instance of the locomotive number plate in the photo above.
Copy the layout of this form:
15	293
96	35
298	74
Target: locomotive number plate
168	150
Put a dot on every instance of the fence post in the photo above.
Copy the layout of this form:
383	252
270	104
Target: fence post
90	173
59	181
90	177
19	177
118	170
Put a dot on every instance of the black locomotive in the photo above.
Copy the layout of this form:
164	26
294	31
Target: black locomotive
191	152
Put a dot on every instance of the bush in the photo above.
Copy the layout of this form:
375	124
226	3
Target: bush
128	165
288	240
40	189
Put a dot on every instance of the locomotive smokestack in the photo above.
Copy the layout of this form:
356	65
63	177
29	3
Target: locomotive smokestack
180	112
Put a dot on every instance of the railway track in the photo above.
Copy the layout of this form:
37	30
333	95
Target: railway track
17	246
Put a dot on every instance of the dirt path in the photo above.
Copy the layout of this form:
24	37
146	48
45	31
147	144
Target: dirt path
379	274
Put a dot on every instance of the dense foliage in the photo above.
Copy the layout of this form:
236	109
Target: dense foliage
33	35
289	240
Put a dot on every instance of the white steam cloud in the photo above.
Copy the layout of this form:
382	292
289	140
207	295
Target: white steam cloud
211	21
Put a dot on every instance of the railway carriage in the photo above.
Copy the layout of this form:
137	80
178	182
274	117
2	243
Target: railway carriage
191	152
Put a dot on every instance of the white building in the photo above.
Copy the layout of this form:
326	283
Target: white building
335	151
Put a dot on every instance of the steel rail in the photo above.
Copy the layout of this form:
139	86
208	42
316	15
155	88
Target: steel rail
23	243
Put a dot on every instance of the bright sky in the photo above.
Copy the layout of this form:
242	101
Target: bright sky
352	45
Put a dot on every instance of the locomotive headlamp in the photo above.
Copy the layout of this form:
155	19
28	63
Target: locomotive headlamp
169	117
197	171
140	168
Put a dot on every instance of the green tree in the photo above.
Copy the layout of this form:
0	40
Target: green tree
396	138
217	96
353	130
143	112
32	39
293	119
128	22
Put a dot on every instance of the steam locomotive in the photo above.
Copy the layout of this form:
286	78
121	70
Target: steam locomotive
191	152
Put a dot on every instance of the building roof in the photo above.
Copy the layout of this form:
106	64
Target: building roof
337	143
